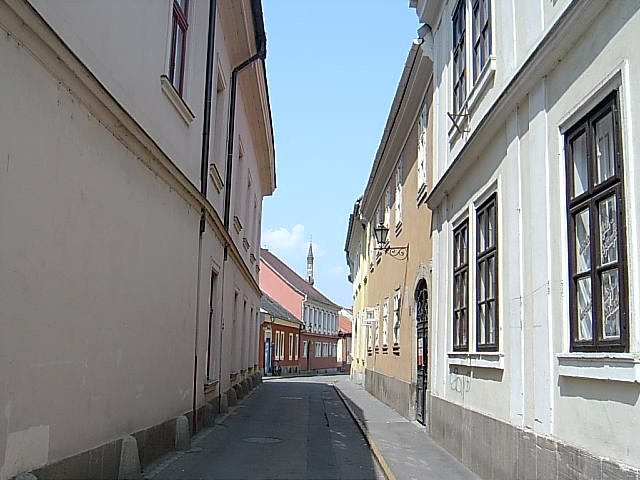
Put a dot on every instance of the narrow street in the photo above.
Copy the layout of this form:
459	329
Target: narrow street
299	428
287	428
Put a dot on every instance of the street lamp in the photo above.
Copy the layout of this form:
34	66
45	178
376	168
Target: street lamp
381	232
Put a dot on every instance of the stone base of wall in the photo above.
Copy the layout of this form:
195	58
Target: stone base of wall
357	377
103	462
500	451
395	393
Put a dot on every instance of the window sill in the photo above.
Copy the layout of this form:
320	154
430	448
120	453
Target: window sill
493	360
478	90
615	367
210	386
422	193
473	99
176	100
216	178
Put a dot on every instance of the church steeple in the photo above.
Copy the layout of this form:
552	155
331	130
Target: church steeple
310	264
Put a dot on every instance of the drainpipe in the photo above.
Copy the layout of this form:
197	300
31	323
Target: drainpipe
204	163
261	47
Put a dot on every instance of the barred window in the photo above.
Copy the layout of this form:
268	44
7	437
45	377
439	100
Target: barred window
596	231
487	276
461	287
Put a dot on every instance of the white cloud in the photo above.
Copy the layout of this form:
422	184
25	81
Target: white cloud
337	270
283	239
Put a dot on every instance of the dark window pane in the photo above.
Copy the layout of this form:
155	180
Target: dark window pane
604	148
610	304
608	231
583	242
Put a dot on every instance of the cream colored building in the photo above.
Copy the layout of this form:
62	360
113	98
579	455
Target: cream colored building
535	317
129	292
390	286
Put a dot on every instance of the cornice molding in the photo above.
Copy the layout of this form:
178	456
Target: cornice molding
33	33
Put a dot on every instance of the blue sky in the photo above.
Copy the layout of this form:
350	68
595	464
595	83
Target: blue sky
333	68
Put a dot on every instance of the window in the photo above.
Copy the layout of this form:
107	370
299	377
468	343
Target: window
297	346
291	346
370	318
596	231
318	349
377	323
422	149
397	297
479	51
481	36
179	27
461	287
385	323
459	57
387	205
305	346
486	277
399	192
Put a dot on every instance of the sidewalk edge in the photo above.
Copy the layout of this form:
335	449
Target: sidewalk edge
372	445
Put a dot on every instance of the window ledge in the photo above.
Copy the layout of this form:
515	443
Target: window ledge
216	178
478	90
422	193
473	99
493	360
176	100
615	367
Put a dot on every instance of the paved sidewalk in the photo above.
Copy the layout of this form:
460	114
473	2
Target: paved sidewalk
406	447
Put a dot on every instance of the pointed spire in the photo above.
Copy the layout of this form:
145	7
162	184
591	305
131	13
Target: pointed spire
310	262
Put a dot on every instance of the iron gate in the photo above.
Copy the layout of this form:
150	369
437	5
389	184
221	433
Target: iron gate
423	352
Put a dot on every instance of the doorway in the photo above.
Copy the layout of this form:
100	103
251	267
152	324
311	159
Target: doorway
422	354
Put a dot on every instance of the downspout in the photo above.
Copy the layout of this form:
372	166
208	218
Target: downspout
261	48
204	163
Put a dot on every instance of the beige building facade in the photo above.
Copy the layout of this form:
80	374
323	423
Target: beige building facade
129	272
391	285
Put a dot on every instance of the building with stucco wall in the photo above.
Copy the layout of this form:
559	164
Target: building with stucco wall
535	348
391	285
128	242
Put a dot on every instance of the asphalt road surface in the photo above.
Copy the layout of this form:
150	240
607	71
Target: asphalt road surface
285	429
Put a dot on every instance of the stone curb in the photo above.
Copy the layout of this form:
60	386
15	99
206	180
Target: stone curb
372	445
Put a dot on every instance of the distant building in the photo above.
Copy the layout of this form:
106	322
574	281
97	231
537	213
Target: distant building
345	321
320	315
280	334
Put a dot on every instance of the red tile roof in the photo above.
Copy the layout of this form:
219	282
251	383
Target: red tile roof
294	279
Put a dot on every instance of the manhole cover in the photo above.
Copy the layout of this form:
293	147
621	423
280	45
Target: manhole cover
262	440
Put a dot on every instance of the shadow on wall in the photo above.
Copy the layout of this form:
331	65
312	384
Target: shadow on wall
599	390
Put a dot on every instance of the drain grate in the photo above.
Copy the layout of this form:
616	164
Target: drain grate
262	440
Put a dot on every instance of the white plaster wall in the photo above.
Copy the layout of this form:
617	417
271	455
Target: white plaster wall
600	416
126	45
97	278
526	159
99	259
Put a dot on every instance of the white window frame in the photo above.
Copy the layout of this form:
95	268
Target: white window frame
291	346
422	149
398	199
397	297
385	323
297	344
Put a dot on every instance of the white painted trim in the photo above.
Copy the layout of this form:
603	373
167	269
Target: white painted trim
494	360
176	100
615	367
481	85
